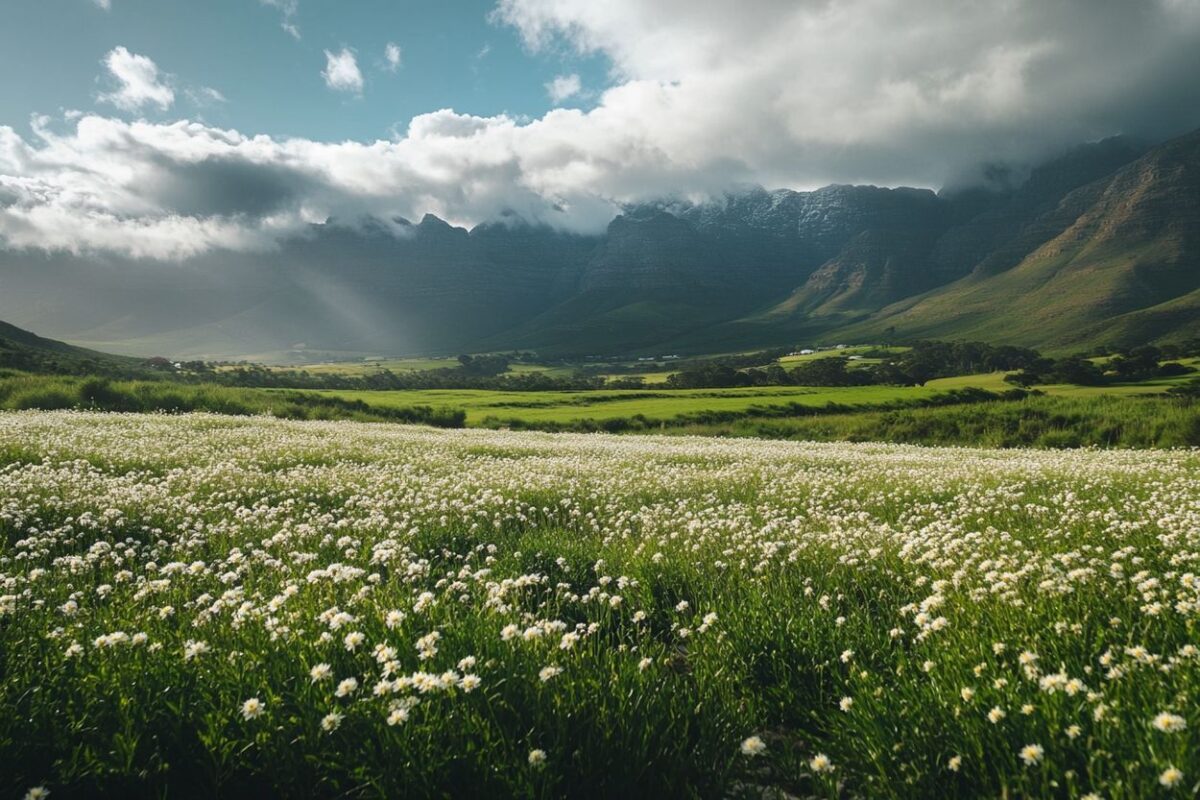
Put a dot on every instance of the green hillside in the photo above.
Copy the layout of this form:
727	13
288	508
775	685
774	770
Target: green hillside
21	349
1124	272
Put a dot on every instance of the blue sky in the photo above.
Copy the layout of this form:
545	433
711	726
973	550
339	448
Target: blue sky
452	57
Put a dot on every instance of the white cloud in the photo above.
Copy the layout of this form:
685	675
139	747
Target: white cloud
563	87
106	5
480	55
707	96
173	190
288	9
139	82
392	56
341	71
205	96
887	91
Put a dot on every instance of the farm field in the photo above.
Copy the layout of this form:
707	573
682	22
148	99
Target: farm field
651	375
655	372
655	375
604	404
367	365
565	407
400	365
199	604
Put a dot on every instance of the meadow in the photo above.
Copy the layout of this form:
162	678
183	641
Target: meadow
199	604
699	409
652	372
366	366
980	410
566	407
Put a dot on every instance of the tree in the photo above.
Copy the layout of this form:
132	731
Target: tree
828	372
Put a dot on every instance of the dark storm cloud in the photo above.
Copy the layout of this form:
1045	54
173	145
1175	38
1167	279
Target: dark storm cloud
229	186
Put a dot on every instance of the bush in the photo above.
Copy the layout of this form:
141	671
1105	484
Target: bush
48	399
20	391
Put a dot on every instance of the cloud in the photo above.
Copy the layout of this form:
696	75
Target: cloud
139	82
288	9
885	91
205	96
105	5
479	57
169	191
341	71
705	96
392	56
563	87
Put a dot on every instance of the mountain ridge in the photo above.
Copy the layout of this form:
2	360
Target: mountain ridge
1098	246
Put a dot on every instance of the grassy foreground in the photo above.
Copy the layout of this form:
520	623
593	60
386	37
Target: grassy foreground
201	604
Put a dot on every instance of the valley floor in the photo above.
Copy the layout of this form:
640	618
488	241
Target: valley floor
968	410
565	407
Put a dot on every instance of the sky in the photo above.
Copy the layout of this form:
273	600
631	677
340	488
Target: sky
162	129
448	56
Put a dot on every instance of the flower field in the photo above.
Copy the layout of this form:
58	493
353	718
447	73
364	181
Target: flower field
193	605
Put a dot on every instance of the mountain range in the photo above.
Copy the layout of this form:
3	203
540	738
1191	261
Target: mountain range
1099	246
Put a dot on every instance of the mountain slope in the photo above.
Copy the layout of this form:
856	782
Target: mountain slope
1123	268
21	349
965	232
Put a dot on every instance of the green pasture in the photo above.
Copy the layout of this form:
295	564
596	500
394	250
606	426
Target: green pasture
565	407
603	404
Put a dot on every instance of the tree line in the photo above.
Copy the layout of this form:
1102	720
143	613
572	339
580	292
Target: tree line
923	362
1138	364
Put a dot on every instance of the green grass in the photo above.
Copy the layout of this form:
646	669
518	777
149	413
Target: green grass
991	381
652	377
553	371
